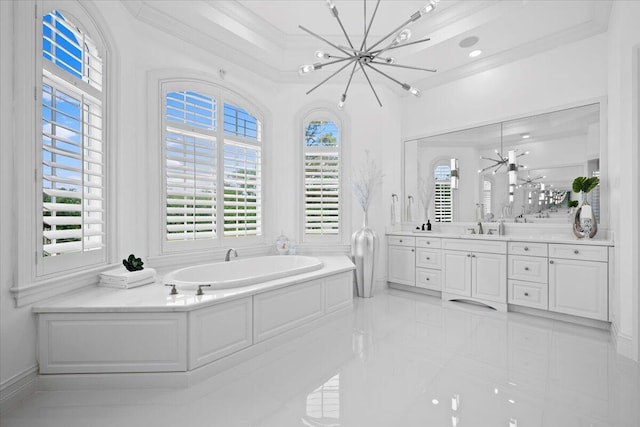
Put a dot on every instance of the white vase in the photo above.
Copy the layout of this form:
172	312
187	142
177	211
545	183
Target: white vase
364	247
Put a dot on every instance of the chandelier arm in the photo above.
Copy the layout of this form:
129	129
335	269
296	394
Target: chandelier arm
370	85
355	64
379	51
343	30
332	75
404	66
387	76
338	60
324	40
366	32
408	21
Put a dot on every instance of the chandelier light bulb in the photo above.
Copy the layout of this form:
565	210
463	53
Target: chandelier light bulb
403	36
390	60
322	55
330	4
429	7
305	69
414	91
343	98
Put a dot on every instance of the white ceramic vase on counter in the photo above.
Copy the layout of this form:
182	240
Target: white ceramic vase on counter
364	248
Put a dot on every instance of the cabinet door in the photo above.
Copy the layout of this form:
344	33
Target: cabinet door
456	271
489	277
578	288
402	265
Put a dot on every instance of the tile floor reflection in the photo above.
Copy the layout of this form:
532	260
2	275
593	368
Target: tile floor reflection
398	359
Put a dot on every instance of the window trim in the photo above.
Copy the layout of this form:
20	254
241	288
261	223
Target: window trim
328	112
29	286
159	83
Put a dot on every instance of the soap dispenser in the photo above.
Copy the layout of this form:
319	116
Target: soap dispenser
428	225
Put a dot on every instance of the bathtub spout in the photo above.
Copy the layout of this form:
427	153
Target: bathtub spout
227	257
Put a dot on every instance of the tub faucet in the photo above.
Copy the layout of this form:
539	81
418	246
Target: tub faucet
227	257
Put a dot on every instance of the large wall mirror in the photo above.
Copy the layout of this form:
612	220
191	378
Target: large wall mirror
520	170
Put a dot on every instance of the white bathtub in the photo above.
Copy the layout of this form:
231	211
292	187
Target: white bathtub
242	272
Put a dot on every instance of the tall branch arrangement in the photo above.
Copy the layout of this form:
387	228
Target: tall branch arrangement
366	181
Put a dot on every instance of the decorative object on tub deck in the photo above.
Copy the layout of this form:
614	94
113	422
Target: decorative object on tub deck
364	242
585	223
282	244
132	263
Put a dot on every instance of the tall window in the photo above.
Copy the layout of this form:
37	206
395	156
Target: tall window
321	164
211	145
72	220
487	186
443	197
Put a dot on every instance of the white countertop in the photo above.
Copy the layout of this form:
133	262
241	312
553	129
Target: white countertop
506	238
156	298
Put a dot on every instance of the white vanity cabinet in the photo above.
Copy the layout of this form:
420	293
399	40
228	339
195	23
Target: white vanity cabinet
428	263
476	270
401	260
578	280
528	274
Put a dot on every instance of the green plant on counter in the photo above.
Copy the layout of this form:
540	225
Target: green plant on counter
584	184
132	263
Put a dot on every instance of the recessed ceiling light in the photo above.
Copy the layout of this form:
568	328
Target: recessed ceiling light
525	135
468	42
475	53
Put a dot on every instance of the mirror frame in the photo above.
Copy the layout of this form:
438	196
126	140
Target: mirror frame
604	152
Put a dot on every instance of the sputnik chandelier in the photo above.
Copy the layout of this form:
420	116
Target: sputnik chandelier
367	57
509	161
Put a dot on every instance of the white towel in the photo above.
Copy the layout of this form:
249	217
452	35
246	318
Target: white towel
127	285
121	273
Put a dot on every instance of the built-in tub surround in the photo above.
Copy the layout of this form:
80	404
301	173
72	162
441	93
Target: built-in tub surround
105	330
241	272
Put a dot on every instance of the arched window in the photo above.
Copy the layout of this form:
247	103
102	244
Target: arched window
443	196
212	152
71	221
321	177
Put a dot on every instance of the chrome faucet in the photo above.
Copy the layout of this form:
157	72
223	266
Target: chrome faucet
480	230
227	257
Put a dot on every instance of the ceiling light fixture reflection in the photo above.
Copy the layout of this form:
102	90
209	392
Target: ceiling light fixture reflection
367	57
502	160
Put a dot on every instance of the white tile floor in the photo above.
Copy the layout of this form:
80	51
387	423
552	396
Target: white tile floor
399	359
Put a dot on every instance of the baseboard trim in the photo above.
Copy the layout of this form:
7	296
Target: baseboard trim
17	388
623	343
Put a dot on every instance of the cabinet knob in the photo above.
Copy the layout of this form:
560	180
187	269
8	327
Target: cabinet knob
468	255
413	250
576	252
428	279
526	294
401	240
551	262
526	269
526	248
428	242
428	258
473	256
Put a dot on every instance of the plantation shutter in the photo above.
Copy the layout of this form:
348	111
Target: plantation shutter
322	192
242	173
321	179
443	197
73	181
190	166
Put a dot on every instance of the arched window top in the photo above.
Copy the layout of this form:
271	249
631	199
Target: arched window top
71	49
442	173
321	133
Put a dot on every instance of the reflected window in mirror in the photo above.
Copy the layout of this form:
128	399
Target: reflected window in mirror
443	197
487	188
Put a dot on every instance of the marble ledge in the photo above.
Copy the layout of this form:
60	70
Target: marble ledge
560	239
155	297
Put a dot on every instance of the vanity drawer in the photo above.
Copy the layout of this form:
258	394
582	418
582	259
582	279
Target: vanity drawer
401	240
528	268
580	252
528	248
428	259
428	242
428	279
475	245
529	294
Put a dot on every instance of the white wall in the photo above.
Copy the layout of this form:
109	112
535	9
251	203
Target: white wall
141	51
624	41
